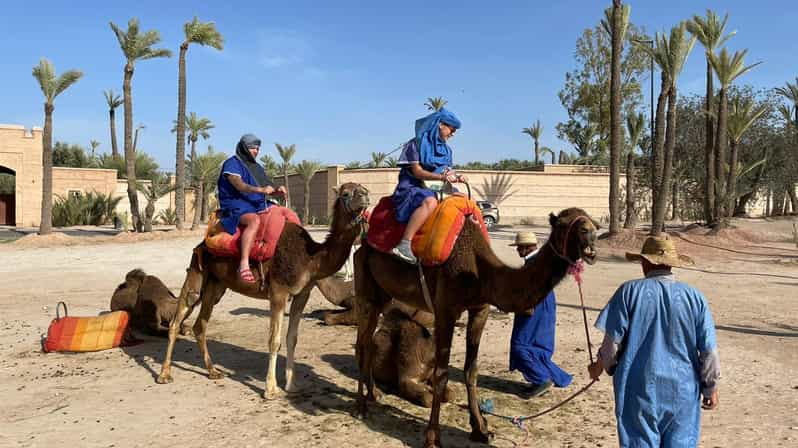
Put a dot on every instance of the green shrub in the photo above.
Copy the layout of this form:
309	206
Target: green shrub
92	209
168	216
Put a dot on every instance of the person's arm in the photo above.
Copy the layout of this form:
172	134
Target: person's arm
710	374
606	358
420	173
244	187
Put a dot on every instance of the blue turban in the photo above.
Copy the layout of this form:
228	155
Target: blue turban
435	155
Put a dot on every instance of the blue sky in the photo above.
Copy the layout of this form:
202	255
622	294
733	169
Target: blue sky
342	79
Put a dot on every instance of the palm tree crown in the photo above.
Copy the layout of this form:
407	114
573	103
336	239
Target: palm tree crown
113	99
742	115
534	131
197	126
671	53
136	45
709	31
728	68
435	103
203	34
51	85
635	124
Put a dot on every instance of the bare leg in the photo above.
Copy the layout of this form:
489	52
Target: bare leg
295	315
476	323
185	303
278	299
419	216
251	222
211	293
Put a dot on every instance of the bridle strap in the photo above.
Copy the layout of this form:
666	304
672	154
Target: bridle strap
562	253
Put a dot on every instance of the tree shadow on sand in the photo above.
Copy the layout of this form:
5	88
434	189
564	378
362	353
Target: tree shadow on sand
318	395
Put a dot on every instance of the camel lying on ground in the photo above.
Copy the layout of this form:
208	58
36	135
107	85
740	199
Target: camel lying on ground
298	262
150	303
472	279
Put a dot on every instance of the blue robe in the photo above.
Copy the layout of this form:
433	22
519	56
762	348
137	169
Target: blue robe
661	326
532	344
233	203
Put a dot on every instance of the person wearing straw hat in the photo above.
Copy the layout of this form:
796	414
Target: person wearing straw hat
660	348
532	340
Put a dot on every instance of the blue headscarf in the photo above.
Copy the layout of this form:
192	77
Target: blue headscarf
433	151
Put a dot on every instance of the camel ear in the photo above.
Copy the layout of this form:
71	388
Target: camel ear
335	190
595	224
552	219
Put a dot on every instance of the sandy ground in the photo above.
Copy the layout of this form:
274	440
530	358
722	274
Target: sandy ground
110	398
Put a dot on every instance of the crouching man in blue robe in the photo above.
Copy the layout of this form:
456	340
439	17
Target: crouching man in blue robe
660	348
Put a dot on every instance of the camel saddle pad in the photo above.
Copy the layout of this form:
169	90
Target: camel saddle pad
87	334
434	242
272	223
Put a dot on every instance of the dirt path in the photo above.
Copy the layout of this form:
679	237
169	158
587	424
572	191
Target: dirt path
110	398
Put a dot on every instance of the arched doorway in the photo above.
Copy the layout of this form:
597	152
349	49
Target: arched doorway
8	196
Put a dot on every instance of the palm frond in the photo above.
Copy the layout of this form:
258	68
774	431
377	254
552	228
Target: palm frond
307	169
113	99
728	68
743	114
203	34
626	11
635	124
790	92
435	103
65	80
286	152
709	31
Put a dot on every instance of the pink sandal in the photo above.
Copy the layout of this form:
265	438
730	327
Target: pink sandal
246	275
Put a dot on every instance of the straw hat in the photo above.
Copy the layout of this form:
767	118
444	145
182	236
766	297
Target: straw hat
660	250
525	239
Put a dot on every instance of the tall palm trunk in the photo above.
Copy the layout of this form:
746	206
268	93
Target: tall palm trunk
721	140
657	155
616	136
675	201
631	213
149	212
552	158
180	146
537	152
205	204
709	152
731	182
793	198
114	147
285	184
46	224
306	213
198	194
658	223
130	154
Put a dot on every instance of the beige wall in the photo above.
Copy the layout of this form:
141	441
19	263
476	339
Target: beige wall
83	180
21	151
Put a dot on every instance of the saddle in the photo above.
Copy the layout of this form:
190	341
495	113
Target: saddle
434	242
272	223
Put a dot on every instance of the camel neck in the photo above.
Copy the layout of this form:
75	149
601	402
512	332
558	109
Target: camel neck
335	249
520	289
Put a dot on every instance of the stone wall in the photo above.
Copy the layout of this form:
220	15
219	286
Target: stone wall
21	152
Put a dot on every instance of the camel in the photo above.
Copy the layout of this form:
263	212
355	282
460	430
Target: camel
297	263
340	293
404	354
150	303
472	279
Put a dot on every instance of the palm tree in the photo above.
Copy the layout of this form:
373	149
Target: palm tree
270	166
204	172
306	170
204	34
286	153
727	69
113	101
535	131
786	114
156	189
136	136
378	159
710	32
51	86
743	114
790	92
435	103
93	144
135	46
197	127
391	162
670	54
635	124
547	150
619	15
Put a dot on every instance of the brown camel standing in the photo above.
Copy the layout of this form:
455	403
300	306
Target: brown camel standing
297	263
472	279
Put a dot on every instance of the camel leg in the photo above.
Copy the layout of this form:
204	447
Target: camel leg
278	299
444	329
476	323
211	293
185	304
368	314
295	315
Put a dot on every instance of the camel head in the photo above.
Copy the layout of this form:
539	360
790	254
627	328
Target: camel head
573	235
354	198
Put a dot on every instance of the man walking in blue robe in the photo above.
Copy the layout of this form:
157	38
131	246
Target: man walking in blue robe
532	341
660	348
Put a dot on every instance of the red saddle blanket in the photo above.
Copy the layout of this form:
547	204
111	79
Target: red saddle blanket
272	223
434	242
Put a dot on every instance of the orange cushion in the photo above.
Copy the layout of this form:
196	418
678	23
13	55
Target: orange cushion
87	334
272	223
434	242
